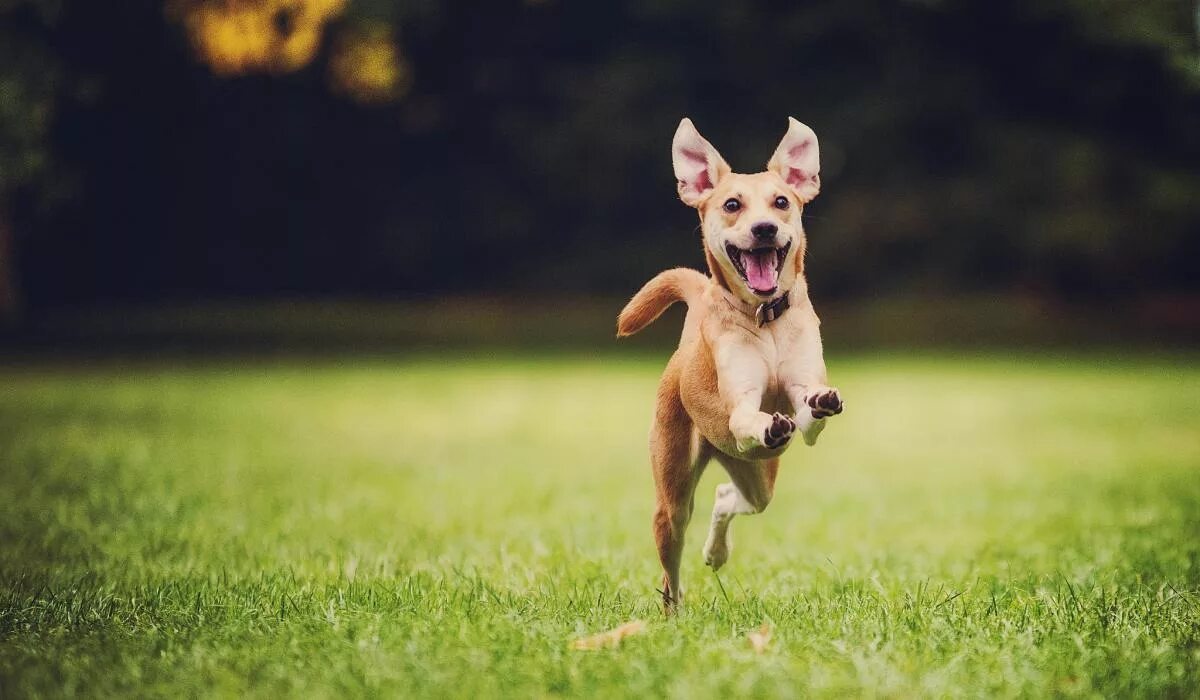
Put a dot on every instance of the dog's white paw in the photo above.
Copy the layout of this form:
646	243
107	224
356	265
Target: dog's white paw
779	431
824	402
772	431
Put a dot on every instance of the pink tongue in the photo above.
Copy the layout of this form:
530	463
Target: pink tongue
760	270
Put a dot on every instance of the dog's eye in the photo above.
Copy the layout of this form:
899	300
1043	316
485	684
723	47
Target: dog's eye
781	202
732	205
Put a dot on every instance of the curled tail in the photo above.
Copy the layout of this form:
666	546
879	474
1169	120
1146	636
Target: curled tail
679	284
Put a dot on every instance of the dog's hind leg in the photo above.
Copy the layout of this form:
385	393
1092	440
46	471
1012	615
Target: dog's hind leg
750	492
679	456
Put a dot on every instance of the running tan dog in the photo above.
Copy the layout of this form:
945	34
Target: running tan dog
749	372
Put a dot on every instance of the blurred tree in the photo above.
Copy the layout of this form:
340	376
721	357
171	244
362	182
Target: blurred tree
1172	26
336	146
29	78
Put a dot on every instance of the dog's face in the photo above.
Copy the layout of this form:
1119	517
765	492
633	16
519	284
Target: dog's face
753	236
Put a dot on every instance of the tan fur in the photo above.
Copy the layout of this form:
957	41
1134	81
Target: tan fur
731	383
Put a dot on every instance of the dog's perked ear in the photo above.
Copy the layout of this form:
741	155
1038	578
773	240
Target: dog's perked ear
698	166
798	160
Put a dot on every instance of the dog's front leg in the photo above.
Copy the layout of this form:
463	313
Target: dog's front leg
742	376
805	381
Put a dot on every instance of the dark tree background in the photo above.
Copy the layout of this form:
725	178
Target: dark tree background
1045	148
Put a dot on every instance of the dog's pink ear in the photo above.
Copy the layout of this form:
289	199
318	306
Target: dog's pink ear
798	161
698	166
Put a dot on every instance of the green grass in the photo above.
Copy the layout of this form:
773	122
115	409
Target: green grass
445	526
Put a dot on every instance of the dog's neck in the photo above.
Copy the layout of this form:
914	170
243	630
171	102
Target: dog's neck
762	312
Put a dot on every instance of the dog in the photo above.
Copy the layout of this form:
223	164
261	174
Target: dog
749	372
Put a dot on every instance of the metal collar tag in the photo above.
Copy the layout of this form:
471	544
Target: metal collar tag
770	310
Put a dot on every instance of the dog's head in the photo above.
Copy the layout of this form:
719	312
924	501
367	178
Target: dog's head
753	236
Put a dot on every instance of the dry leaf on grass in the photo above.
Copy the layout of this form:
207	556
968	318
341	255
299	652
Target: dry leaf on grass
611	638
760	638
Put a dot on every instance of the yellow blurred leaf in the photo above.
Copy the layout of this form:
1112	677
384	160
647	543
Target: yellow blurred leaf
760	638
247	36
366	65
611	638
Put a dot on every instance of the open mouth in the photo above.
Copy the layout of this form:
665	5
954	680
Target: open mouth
759	267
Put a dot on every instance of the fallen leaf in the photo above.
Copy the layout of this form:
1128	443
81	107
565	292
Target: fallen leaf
760	638
611	638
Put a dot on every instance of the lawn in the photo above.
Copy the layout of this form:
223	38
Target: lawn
446	525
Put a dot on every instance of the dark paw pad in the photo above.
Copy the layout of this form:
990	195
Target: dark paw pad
779	432
825	403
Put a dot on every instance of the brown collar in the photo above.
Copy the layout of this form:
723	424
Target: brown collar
762	313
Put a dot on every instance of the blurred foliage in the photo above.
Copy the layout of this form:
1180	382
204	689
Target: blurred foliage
366	65
242	36
29	83
1164	24
424	146
236	37
29	77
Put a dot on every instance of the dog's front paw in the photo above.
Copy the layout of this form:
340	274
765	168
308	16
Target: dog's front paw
824	402
779	431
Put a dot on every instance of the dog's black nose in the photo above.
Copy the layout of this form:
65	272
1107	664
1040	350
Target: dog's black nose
764	231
